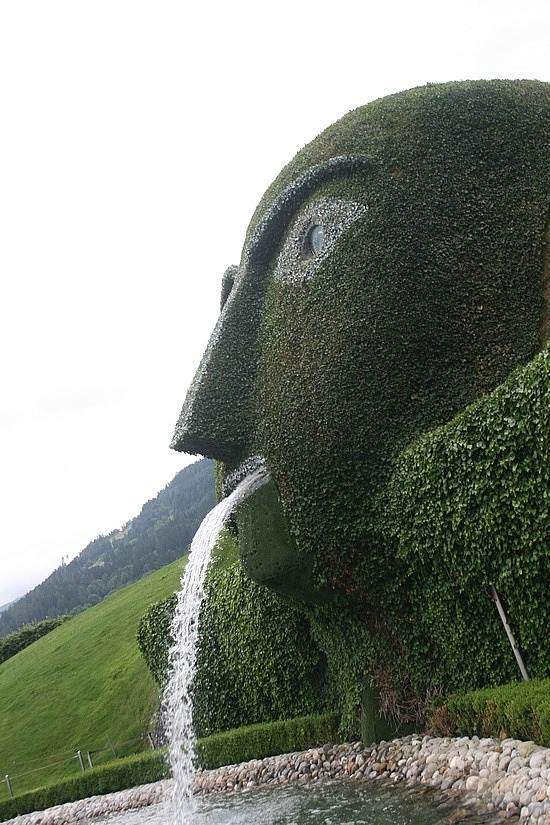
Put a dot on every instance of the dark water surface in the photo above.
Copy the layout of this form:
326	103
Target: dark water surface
325	803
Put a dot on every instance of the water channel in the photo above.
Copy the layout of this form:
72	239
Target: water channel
325	803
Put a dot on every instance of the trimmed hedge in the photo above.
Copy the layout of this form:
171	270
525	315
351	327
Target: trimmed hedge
334	369
257	660
25	636
469	509
518	711
231	747
116	776
259	741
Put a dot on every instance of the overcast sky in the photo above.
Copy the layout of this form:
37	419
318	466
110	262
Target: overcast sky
136	139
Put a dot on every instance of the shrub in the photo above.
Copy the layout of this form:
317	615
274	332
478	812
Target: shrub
259	741
154	637
116	776
257	660
25	636
518	711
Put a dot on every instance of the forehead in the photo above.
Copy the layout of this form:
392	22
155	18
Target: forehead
422	147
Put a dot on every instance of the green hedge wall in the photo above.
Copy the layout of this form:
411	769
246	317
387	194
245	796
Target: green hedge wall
520	711
25	636
466	508
469	509
260	741
425	303
257	660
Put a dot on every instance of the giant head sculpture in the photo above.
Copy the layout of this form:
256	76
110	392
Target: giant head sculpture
392	273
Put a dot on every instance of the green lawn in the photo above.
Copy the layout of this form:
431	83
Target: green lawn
83	682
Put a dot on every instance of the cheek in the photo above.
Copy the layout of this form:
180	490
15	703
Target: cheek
334	380
312	378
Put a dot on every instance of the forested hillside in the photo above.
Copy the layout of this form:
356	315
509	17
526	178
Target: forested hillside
161	533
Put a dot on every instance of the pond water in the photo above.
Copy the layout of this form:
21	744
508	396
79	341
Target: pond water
327	803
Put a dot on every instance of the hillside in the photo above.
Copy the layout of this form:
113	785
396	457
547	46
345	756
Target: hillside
83	682
161	533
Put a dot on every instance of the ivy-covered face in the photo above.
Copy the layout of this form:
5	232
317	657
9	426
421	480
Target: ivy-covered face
392	274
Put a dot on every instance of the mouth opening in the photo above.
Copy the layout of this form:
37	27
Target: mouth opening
250	465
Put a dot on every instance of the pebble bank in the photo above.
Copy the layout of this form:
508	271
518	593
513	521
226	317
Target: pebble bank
508	777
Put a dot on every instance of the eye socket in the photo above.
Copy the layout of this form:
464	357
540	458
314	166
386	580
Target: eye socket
311	237
313	240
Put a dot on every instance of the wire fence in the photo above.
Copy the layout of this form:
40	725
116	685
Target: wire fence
67	757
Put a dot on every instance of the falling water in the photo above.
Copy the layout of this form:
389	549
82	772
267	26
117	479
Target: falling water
185	630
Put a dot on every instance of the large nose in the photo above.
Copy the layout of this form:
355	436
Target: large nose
217	416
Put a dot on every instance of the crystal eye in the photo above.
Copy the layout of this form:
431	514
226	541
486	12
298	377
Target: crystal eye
313	240
311	237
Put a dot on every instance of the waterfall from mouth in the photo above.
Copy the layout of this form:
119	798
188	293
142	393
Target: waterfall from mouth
177	706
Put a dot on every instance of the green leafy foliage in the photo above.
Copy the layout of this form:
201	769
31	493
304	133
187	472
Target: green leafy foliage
519	711
154	638
469	509
344	641
427	304
464	507
117	776
269	739
424	306
257	660
12	644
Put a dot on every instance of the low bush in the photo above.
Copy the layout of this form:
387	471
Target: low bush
116	776
231	747
248	635
25	636
154	637
259	741
519	711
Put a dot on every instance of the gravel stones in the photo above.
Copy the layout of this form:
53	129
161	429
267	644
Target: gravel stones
98	806
507	777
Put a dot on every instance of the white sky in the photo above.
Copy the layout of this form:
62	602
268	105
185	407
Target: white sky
136	138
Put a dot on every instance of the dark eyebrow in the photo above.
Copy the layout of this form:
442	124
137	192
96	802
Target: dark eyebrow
268	232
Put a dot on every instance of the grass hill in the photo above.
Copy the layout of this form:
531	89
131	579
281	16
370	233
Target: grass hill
161	532
83	683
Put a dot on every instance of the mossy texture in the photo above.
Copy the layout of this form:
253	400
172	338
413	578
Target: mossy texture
429	289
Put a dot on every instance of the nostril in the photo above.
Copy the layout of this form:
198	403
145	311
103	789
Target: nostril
228	281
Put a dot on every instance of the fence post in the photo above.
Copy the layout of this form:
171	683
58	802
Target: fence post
81	761
90	763
8	783
110	744
150	738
